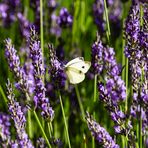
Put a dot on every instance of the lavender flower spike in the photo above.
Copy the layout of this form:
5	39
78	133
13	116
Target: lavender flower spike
136	52
14	64
19	119
4	129
98	10
64	19
40	100
57	70
100	134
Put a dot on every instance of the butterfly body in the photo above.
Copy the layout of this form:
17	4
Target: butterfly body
76	69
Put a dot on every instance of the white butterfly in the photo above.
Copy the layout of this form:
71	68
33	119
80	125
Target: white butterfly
76	69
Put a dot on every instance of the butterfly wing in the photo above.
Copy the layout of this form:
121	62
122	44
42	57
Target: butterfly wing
82	66
76	60
74	75
79	64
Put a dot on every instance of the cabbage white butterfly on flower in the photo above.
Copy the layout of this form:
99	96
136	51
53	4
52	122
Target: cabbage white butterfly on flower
76	69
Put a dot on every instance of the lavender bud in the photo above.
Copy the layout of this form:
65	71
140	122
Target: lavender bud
18	117
55	28
100	134
57	70
64	19
52	4
24	25
98	11
41	143
4	129
14	64
40	100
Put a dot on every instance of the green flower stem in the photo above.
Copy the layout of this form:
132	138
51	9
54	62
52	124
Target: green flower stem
41	32
94	99
137	132
50	129
44	134
95	88
141	15
123	141
93	139
80	102
29	124
66	128
140	131
85	144
41	26
29	118
26	4
3	95
107	21
124	71
126	101
140	121
123	56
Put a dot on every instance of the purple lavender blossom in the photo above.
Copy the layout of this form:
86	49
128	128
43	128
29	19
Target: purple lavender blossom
18	117
41	143
13	3
97	55
112	90
103	59
136	52
134	2
37	61
60	50
28	69
115	12
100	134
14	64
9	9
143	1
132	51
4	129
52	4
114	8
98	10
24	25
57	142
35	4
64	19
3	10
55	29
57	70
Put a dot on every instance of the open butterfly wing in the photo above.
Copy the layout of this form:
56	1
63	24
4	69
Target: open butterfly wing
76	60
82	66
79	64
75	76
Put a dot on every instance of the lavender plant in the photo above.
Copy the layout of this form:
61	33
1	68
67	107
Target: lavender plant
5	136
37	61
14	64
57	69
136	52
101	135
64	19
114	8
18	116
112	90
120	105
